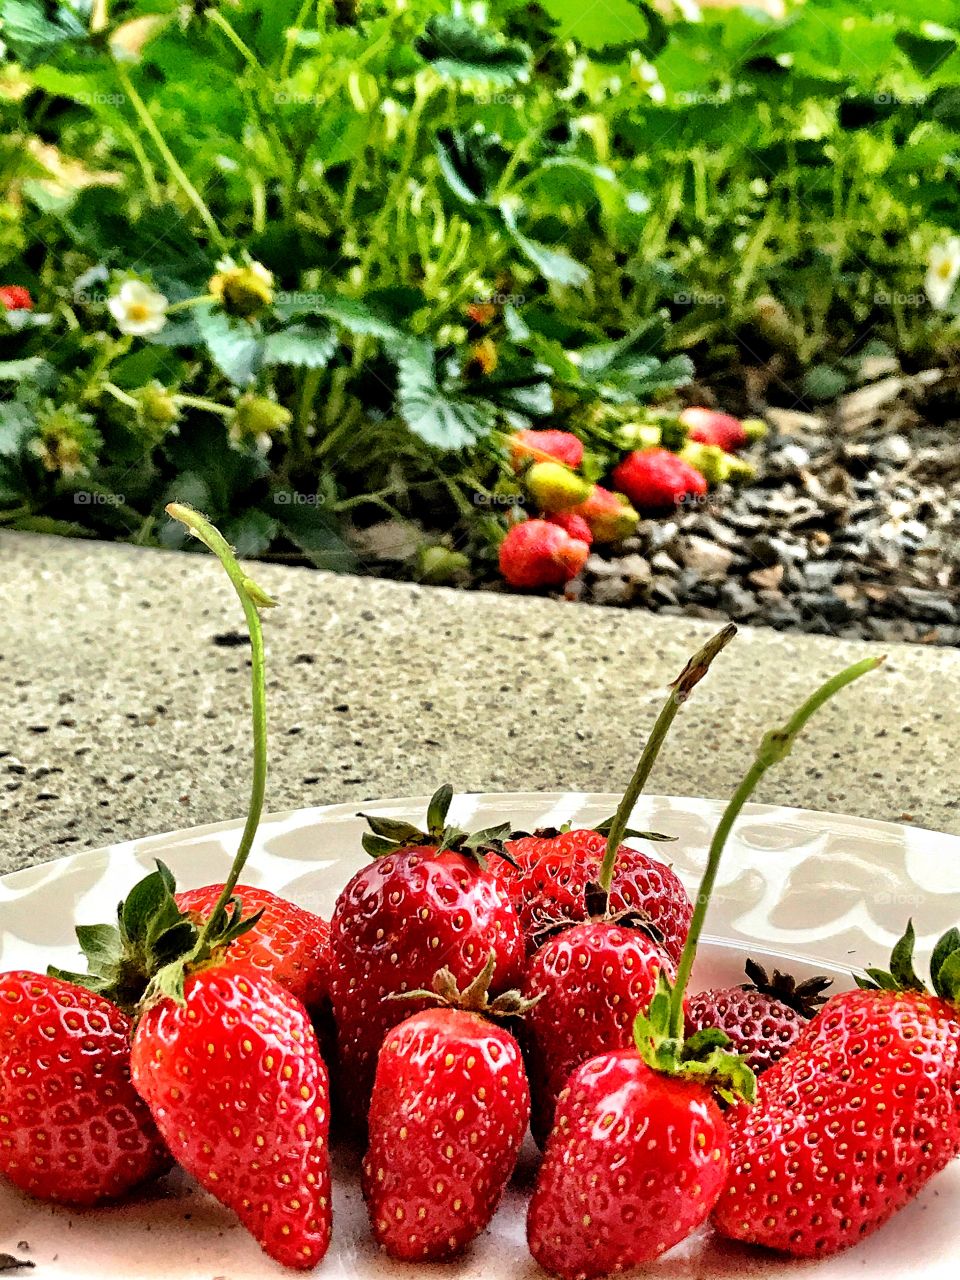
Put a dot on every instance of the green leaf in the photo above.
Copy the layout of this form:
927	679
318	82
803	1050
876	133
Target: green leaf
149	898
392	828
102	946
901	961
612	28
33	36
460	50
552	263
471	162
347	313
948	946
438	808
251	533
445	420
235	346
926	53
33	369
315	531
301	345
948	978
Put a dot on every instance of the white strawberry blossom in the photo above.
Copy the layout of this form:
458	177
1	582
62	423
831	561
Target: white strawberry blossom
138	309
943	271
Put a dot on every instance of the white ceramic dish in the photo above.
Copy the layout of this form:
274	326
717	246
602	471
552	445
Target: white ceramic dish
821	892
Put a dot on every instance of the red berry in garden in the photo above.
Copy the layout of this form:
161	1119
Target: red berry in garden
288	943
631	1167
656	480
857	1117
537	446
575	525
537	553
235	1081
72	1126
550	872
762	1018
14	297
589	981
449	1110
609	516
722	429
427	901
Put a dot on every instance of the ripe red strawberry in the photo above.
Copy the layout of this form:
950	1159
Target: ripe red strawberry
449	1110
639	1152
72	1126
287	942
656	480
576	526
427	901
551	871
862	1111
590	980
632	1161
536	553
609	516
536	446
707	426
14	297
762	1018
238	1089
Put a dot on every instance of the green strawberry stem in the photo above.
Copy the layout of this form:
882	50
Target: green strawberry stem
253	599
775	746
680	690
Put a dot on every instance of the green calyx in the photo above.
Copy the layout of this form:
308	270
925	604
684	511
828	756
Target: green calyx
392	835
902	976
152	935
804	998
704	1057
475	997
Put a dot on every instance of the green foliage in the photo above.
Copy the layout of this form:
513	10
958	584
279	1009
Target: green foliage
609	190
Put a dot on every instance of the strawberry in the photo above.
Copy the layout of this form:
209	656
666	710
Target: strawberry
656	480
427	901
762	1018
235	1081
639	1152
609	516
72	1127
288	943
538	446
549	872
536	553
590	981
857	1117
707	426
631	1168
575	525
449	1110
14	297
554	487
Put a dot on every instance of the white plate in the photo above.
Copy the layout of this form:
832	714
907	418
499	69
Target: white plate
819	891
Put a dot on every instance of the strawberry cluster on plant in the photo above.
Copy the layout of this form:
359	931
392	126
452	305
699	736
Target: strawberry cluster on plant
467	985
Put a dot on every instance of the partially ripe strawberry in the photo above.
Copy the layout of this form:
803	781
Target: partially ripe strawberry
537	446
14	297
537	553
449	1110
554	487
762	1018
287	942
609	516
656	480
237	1086
575	525
72	1127
722	429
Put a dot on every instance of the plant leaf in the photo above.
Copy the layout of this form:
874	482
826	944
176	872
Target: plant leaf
445	420
301	345
460	50
235	346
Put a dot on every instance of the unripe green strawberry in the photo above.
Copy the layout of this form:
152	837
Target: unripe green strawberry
715	464
555	487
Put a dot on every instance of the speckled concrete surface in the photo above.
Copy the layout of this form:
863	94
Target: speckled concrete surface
125	700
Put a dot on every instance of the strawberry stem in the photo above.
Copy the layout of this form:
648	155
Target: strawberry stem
680	690
774	747
253	599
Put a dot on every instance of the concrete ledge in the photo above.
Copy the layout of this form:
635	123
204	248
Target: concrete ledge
123	716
